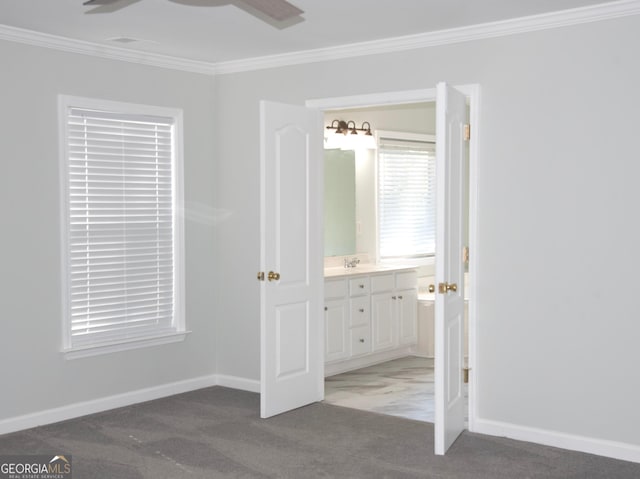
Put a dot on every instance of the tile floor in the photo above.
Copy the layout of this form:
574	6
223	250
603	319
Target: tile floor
403	387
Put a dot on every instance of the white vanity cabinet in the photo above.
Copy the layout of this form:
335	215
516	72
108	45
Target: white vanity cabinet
407	311
394	306
369	318
360	316
407	307
336	318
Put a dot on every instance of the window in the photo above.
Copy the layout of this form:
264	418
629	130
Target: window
122	254
406	195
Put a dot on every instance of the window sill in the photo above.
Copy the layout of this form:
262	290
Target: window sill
123	345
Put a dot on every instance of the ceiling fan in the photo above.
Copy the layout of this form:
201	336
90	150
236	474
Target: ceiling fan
278	10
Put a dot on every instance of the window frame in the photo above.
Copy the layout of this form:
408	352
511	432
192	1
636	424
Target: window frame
178	331
420	260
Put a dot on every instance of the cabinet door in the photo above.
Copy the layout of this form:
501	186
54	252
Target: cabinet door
407	310
383	321
336	317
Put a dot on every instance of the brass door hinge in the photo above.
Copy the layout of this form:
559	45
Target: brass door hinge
467	132
465	255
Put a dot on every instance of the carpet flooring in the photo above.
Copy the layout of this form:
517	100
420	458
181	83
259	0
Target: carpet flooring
217	433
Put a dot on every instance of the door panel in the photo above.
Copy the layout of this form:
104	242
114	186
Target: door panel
291	320
291	205
454	391
451	116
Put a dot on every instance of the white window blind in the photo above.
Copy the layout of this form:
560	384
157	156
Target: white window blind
406	198
121	226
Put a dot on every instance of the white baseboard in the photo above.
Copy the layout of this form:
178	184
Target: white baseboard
590	445
234	382
79	409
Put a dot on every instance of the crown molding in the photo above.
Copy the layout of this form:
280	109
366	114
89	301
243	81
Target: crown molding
531	23
563	18
65	44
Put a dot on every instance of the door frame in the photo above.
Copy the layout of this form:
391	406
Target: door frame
472	92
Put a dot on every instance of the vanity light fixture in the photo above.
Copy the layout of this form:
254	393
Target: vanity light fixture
349	127
352	136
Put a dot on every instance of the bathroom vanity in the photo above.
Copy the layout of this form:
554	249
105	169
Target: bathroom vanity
370	316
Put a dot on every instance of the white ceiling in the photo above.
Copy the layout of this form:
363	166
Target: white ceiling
216	31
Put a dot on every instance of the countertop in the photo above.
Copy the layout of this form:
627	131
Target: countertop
367	268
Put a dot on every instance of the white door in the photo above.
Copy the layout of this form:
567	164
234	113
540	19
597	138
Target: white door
451	117
291	319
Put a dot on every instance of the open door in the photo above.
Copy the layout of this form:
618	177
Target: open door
291	258
451	118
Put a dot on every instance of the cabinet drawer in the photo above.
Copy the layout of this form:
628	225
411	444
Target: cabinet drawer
359	286
406	280
335	288
382	282
360	340
360	312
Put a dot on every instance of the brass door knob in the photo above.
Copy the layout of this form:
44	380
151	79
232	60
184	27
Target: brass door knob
444	288
273	276
432	288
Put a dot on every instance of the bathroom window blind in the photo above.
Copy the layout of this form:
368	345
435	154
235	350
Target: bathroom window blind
406	198
121	226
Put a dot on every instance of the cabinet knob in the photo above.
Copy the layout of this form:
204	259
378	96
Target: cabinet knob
361	286
361	310
361	340
393	297
399	297
326	309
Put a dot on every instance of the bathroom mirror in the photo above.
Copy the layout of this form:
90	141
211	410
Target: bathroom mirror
339	202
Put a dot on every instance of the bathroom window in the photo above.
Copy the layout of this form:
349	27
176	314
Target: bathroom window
123	257
406	195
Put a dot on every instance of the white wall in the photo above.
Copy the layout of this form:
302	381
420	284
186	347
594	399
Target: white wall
35	376
558	172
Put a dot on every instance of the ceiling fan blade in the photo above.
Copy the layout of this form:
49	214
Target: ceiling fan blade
108	6
277	9
99	2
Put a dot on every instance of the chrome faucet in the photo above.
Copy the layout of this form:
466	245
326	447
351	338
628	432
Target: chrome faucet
351	263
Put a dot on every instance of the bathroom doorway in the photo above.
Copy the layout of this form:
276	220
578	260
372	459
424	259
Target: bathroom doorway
400	101
402	386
